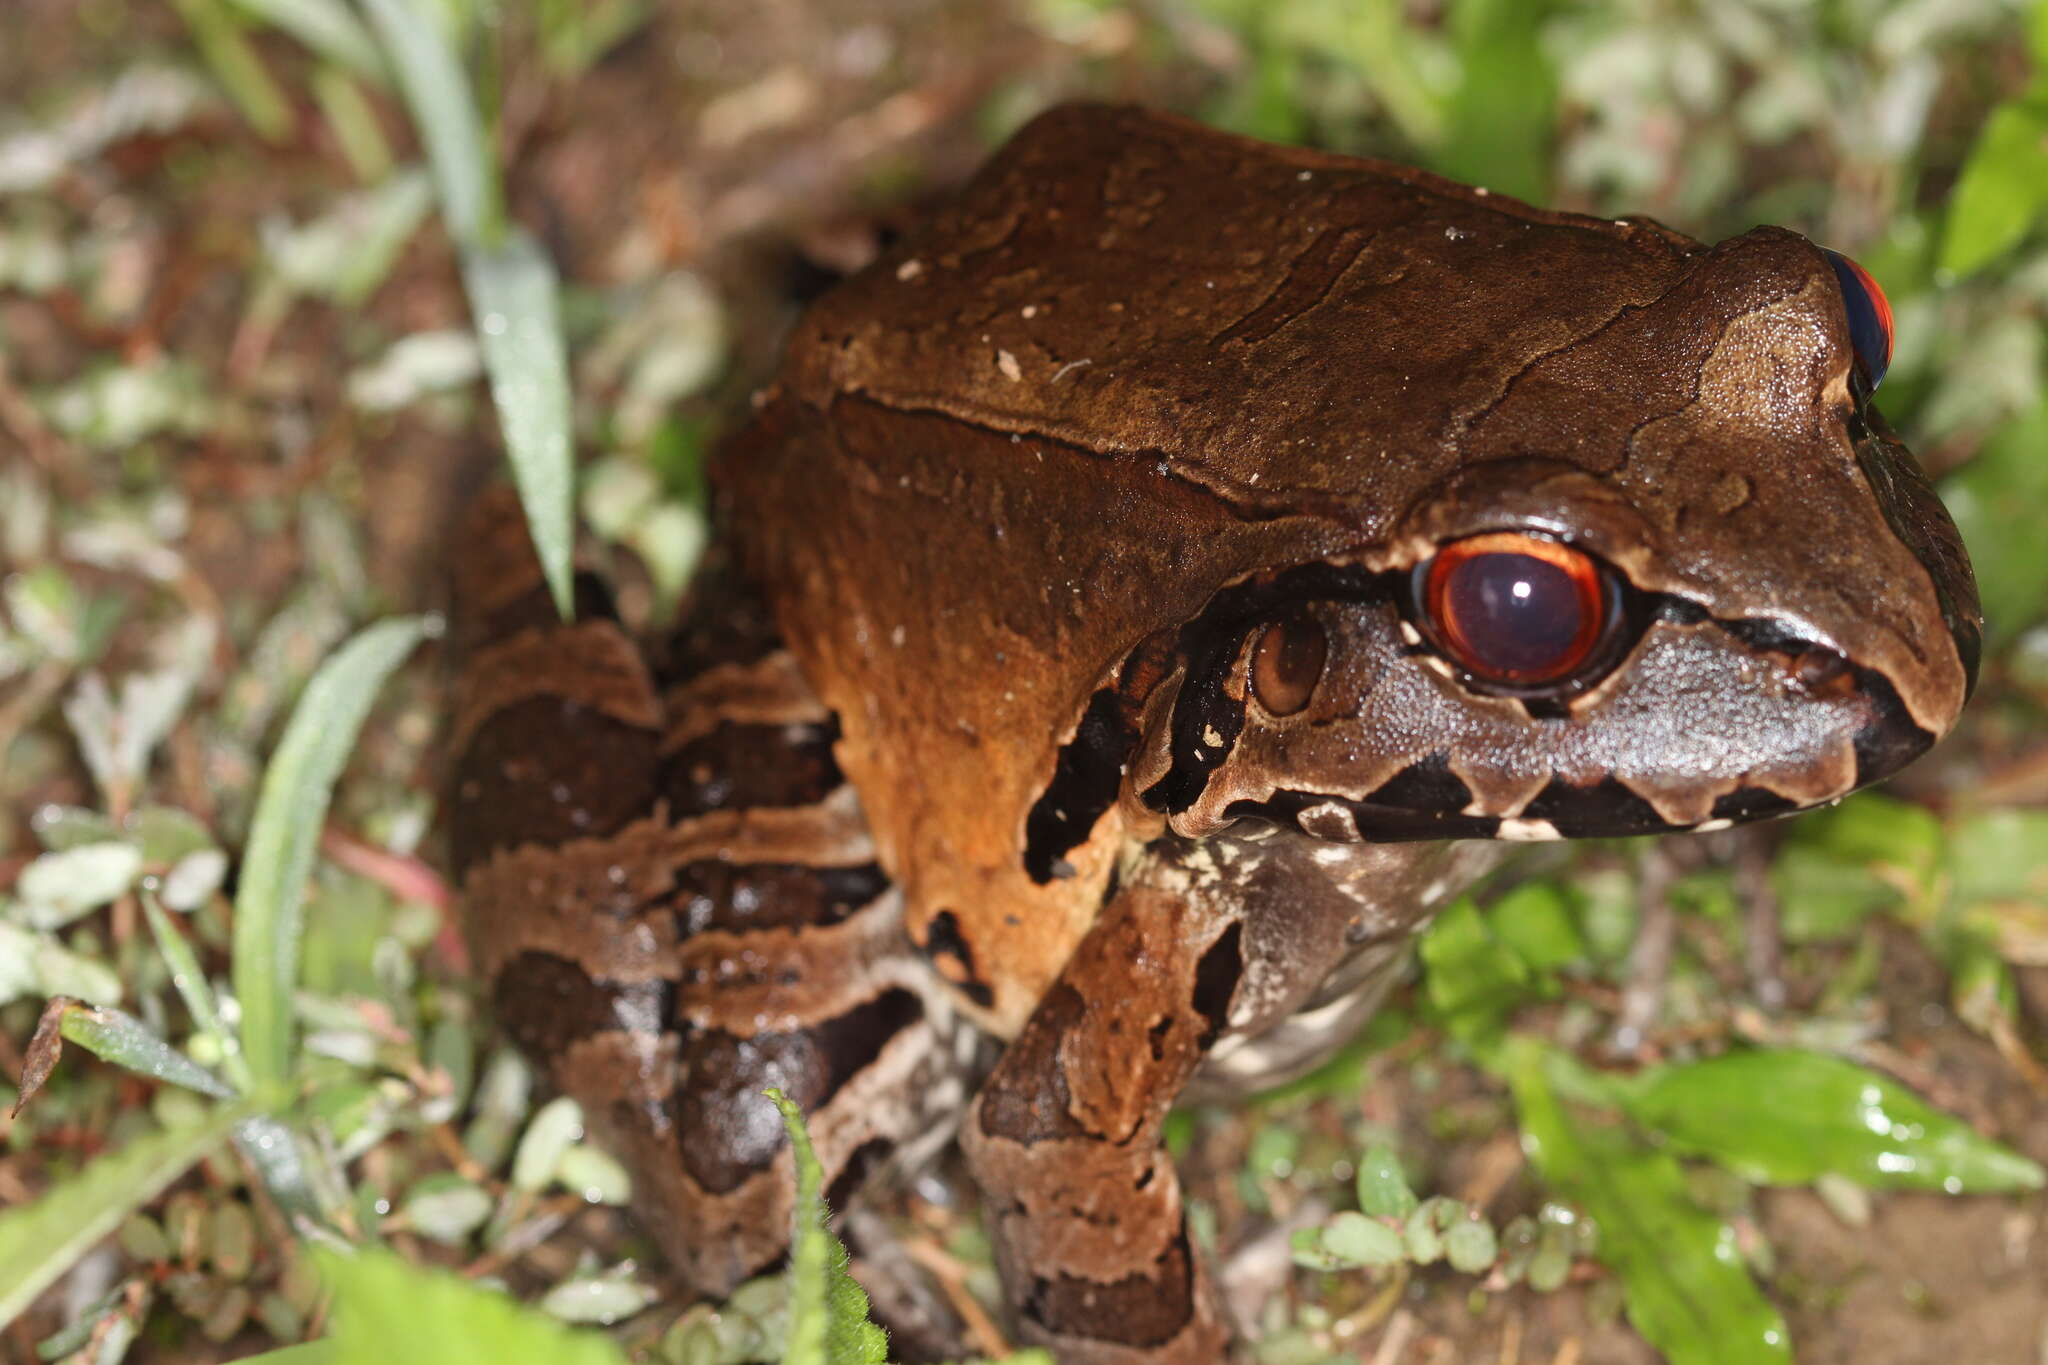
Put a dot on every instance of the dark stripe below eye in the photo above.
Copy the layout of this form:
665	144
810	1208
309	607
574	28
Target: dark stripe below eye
725	1130
1751	803
1605	808
1426	785
1375	823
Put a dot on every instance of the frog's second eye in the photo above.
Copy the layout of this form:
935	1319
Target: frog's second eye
1870	320
1517	611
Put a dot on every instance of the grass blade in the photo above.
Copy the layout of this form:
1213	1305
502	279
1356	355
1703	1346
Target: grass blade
443	109
511	283
325	26
237	67
39	1242
192	986
292	807
512	295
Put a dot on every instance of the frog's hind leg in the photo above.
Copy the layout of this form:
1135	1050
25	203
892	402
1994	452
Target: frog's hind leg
676	902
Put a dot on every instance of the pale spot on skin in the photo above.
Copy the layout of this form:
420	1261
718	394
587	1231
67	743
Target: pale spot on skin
909	270
1211	737
1329	820
1528	831
1007	363
1713	826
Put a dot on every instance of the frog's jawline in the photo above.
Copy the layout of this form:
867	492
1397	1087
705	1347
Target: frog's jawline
1423	800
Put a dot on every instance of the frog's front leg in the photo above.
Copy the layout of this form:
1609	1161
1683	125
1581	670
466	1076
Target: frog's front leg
1256	954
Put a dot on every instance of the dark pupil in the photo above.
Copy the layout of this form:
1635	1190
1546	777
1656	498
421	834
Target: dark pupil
1867	335
1517	614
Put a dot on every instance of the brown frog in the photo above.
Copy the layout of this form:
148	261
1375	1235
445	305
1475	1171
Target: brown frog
1149	593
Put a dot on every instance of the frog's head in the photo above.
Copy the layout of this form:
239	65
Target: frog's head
1758	607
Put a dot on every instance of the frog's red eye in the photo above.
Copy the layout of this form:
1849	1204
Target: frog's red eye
1517	610
1870	320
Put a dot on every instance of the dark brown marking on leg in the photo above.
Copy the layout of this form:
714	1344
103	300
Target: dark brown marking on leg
1140	1310
1025	1100
741	898
547	770
722	770
727	1129
547	1003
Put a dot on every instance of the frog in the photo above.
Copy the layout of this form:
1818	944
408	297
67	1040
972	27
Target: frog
1146	595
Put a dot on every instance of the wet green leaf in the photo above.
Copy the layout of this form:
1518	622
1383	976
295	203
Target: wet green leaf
510	281
1538	921
126	1041
557	1125
1783	1117
1687	1290
57	888
285	833
1356	1240
388	1311
1382	1190
2002	190
1469	1245
445	1207
1502	117
513	298
1472	980
1996	500
40	1241
828	1312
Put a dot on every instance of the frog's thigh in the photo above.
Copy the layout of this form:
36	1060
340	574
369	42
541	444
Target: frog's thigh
676	901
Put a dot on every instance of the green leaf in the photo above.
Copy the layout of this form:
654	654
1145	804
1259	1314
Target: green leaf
512	295
1687	1290
1784	1117
388	1311
443	108
2002	189
283	836
121	1038
326	26
1504	112
1382	1190
42	1240
510	281
238	68
1538	921
828	1312
1996	501
1472	980
1354	1239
